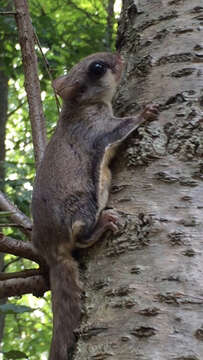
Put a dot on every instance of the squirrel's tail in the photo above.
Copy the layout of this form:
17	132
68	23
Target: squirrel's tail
66	307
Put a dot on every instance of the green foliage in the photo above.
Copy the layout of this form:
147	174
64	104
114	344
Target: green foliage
67	31
70	30
30	332
8	40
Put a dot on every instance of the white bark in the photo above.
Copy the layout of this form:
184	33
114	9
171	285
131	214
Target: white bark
144	288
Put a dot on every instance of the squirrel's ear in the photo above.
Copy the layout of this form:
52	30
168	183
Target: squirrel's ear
63	87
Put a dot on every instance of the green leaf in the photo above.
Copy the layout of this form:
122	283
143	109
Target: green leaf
15	354
14	309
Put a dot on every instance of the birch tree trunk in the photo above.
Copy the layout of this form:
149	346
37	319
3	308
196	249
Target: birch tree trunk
144	288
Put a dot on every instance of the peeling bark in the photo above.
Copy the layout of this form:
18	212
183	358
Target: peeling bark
144	288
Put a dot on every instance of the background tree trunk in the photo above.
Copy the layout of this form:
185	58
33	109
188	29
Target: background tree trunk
144	288
3	119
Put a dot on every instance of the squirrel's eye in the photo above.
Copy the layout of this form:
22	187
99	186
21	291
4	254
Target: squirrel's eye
97	69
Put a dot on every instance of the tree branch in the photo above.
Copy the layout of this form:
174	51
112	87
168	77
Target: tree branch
7	13
33	281
20	248
20	274
110	22
37	285
16	215
32	86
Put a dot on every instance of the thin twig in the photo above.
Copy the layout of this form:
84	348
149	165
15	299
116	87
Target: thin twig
10	263
21	163
7	13
85	12
6	225
16	215
48	70
17	108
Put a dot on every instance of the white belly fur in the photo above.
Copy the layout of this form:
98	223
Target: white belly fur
105	177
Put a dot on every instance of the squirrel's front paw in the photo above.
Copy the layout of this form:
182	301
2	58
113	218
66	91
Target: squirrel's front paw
110	220
151	112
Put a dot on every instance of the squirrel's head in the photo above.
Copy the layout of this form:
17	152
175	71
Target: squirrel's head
93	79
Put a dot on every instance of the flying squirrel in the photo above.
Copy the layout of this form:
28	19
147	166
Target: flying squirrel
73	180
